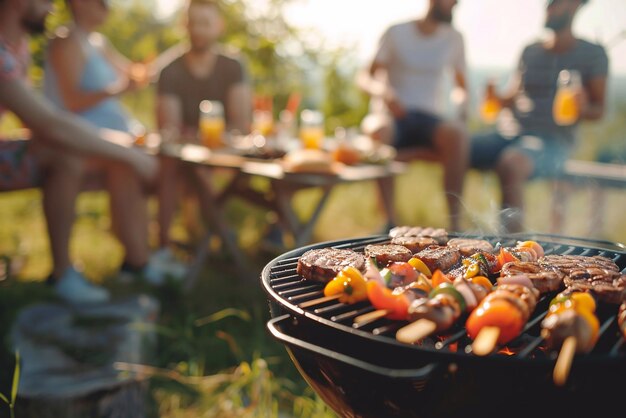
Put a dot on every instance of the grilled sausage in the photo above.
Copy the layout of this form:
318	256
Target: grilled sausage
324	264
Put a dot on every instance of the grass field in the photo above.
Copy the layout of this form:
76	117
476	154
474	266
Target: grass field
230	366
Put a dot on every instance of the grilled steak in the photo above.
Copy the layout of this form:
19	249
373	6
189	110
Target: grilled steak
567	263
439	257
324	264
610	288
545	278
415	244
387	253
469	246
439	234
595	274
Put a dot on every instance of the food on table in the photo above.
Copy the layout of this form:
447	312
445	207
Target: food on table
571	314
439	234
469	246
323	264
507	309
387	253
309	161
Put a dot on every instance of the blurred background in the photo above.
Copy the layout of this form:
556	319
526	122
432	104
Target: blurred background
314	47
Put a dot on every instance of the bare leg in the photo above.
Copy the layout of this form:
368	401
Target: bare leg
168	198
129	212
452	147
387	195
63	177
514	168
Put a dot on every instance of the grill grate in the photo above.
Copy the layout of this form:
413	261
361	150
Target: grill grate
290	290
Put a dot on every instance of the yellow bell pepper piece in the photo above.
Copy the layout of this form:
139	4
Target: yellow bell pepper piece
350	284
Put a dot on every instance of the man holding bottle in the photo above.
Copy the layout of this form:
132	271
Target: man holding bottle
535	134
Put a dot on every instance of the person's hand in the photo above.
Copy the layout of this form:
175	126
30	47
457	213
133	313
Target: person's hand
396	108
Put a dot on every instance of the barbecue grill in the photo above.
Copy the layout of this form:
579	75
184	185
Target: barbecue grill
365	372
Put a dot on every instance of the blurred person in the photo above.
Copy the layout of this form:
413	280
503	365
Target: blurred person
405	82
54	157
203	71
85	74
528	141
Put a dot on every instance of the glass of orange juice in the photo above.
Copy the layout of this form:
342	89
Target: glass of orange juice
490	107
565	109
263	122
211	123
312	129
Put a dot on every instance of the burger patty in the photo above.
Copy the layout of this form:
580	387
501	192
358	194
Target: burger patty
439	257
469	246
388	253
438	234
415	244
323	264
545	278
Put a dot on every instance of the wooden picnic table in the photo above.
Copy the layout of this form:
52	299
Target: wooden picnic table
284	185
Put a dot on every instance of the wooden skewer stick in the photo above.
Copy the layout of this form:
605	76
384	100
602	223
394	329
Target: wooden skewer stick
486	341
319	301
415	331
564	361
370	317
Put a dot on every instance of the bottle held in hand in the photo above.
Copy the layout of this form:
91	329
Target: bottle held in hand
566	109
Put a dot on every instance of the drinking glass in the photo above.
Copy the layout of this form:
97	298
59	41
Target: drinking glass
263	122
490	107
312	129
211	123
565	109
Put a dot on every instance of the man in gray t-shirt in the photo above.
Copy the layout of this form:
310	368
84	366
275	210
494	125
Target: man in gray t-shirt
528	141
202	72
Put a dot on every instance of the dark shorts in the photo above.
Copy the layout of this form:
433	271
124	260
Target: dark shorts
416	129
18	167
548	155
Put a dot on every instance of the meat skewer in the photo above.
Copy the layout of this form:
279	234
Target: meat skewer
445	304
502	314
570	326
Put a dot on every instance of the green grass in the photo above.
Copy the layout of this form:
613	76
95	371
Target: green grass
229	365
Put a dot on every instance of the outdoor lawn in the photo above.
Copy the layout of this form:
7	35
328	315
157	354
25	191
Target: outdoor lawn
214	353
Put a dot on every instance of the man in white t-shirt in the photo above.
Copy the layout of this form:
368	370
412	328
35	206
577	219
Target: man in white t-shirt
406	79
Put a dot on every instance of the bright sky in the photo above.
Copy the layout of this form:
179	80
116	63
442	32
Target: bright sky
495	30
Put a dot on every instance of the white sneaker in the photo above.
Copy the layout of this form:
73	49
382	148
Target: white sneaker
163	264
74	288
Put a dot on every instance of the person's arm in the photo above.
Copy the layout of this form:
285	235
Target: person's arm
460	94
594	99
240	107
66	130
169	115
68	61
371	82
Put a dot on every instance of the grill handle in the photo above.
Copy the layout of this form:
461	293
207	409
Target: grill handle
278	331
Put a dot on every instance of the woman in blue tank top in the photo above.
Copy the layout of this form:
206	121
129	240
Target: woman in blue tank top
85	74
